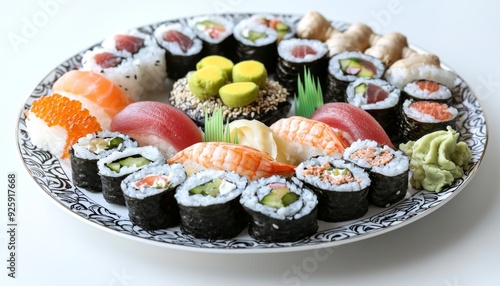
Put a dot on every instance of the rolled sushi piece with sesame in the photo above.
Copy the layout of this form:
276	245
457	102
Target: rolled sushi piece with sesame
280	209
341	187
388	170
294	55
119	164
380	99
149	195
209	204
182	48
85	153
421	117
427	90
346	67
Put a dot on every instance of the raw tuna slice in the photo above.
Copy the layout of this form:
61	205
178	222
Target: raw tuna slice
182	40
353	120
129	43
158	124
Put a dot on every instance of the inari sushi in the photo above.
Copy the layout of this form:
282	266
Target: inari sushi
380	99
149	195
85	153
388	170
182	48
119	164
216	33
256	42
294	55
427	90
209	204
341	187
280	209
422	117
346	67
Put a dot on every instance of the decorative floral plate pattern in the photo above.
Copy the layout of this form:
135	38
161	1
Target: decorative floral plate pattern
54	178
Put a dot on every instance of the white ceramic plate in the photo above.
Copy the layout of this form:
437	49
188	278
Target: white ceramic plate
54	178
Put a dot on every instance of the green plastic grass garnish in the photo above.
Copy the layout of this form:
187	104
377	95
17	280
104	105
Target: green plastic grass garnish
310	96
215	130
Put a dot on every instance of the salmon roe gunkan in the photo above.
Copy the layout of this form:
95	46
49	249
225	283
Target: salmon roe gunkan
57	110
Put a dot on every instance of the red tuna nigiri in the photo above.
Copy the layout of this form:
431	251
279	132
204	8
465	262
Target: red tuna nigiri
353	120
158	124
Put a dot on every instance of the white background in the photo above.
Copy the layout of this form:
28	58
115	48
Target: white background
458	244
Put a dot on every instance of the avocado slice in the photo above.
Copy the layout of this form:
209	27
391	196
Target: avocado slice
279	198
115	142
114	167
254	35
360	89
208	189
364	72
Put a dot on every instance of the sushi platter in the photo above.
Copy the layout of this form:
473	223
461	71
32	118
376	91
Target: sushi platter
254	74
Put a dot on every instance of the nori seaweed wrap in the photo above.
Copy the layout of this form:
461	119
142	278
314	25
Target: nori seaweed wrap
294	55
379	98
85	153
341	187
149	195
216	33
422	117
209	205
280	209
256	42
182	48
388	170
346	67
119	164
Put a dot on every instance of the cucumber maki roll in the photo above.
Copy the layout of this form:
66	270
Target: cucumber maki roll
280	209
341	187
427	90
119	164
85	153
182	48
379	98
149	195
422	117
209	205
294	55
388	170
256	42
346	67
216	33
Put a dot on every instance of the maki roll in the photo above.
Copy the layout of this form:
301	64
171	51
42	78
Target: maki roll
85	153
294	55
216	33
427	90
283	27
341	187
388	170
209	204
149	195
182	48
256	42
145	52
346	67
280	209
380	99
119	164
117	66
422	117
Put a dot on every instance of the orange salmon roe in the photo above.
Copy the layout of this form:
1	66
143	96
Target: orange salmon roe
437	110
428	85
57	110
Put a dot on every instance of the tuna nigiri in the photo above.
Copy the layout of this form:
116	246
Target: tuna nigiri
159	124
353	120
55	122
244	160
99	95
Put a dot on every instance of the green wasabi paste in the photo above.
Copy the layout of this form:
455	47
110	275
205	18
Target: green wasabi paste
437	159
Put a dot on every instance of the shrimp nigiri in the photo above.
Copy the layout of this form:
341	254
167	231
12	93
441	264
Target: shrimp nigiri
311	133
99	95
244	160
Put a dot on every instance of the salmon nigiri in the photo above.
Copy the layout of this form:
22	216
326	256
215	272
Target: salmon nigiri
159	124
244	160
99	95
